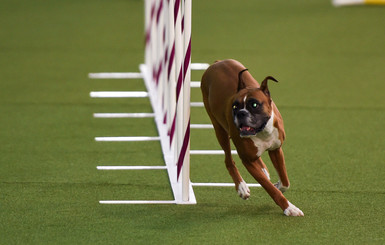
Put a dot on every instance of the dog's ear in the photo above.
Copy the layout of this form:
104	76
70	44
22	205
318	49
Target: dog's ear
241	84
264	87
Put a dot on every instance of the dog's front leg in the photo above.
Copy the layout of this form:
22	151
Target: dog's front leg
278	160
240	185
224	140
256	171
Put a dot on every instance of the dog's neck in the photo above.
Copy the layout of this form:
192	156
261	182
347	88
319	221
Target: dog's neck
268	138
268	129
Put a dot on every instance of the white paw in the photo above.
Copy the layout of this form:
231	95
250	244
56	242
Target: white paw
243	190
280	187
293	210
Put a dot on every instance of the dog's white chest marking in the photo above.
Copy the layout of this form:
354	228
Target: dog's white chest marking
268	138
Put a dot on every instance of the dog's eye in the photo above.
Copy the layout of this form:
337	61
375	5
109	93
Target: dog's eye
254	104
235	107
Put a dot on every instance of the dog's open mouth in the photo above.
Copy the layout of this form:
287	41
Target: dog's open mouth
247	131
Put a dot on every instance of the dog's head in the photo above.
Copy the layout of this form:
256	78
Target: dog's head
251	108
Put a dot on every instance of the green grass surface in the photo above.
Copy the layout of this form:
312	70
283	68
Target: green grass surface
330	64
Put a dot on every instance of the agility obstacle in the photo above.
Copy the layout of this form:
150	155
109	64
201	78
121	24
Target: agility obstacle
339	3
166	73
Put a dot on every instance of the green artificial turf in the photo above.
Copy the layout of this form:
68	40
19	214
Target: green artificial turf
330	66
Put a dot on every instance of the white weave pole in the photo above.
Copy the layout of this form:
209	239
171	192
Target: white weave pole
152	38
165	37
182	18
147	30
150	56
178	119
160	79
186	101
171	75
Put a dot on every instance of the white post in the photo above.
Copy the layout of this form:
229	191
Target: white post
171	75
186	100
160	48
178	117
147	30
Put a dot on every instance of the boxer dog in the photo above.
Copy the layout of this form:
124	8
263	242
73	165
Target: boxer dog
242	110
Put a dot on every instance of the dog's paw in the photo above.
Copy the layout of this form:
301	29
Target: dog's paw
280	187
243	190
293	210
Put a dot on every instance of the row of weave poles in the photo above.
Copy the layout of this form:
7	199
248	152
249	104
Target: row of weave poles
167	76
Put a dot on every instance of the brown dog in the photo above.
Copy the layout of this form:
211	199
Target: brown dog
242	110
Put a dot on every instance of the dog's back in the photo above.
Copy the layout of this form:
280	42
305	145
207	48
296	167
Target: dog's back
220	81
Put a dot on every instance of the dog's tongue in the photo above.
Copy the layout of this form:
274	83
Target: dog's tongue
247	131
245	128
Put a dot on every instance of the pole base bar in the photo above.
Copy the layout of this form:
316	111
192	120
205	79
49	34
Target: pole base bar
136	202
115	75
210	152
221	185
130	167
127	139
124	115
199	66
118	94
200	126
197	104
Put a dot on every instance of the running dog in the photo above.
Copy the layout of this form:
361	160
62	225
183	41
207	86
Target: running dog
242	110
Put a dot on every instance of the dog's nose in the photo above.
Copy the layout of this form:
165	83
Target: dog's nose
241	114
